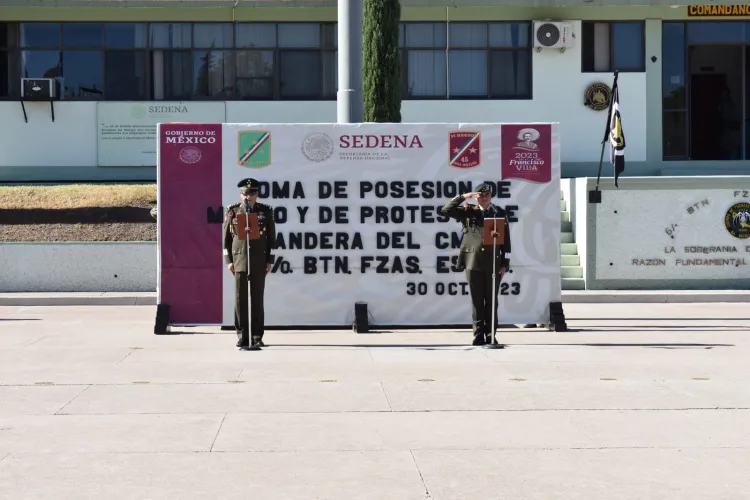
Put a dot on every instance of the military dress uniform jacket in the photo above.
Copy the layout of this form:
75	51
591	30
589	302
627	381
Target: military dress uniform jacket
235	249
474	255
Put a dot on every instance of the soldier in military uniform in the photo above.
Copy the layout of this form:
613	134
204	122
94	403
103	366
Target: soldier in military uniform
252	267
477	258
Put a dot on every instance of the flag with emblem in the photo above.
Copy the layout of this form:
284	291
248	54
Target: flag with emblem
616	135
254	148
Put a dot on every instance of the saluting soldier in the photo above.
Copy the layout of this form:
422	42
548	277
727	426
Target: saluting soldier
252	267
476	257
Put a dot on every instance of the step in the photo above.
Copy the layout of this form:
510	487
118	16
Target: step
571	272
573	284
565	216
567	238
568	249
566	227
570	260
563	205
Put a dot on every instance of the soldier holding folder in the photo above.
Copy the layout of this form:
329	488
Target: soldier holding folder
477	257
247	254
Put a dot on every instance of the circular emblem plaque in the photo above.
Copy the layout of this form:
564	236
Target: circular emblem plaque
317	146
597	96
737	220
190	154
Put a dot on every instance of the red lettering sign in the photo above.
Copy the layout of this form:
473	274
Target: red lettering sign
379	141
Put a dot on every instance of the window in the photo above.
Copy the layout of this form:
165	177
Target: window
90	61
467	60
173	61
674	103
610	46
9	83
302	49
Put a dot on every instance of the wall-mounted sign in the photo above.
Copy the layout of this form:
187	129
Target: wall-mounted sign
674	234
126	131
597	96
718	10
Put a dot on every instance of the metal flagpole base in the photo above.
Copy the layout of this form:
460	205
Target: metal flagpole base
494	346
249	347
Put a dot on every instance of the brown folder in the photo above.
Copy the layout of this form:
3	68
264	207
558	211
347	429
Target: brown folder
253	224
490	225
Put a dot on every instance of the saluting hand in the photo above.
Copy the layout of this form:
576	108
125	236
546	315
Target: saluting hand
471	195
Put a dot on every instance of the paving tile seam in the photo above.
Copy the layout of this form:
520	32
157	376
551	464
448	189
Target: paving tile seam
519	410
421	477
74	398
132	350
368	450
387	399
567	418
494	448
664	383
218	431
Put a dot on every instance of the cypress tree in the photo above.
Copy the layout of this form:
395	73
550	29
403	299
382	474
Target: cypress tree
381	61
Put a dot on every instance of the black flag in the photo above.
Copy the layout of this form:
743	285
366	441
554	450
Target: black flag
616	135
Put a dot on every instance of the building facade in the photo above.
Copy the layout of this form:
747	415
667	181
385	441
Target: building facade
684	76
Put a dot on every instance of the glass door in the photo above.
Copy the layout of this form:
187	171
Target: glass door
746	86
717	102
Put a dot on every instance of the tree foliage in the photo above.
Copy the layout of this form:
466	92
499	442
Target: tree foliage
381	63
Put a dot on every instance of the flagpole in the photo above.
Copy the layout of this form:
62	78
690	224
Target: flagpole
596	195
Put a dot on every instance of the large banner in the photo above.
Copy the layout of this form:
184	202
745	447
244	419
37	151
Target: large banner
358	211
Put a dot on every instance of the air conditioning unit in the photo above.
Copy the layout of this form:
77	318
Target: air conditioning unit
553	35
38	89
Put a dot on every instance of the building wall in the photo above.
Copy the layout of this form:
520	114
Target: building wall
71	140
66	149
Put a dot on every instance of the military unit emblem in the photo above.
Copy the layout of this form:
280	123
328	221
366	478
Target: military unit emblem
464	149
597	96
254	148
737	220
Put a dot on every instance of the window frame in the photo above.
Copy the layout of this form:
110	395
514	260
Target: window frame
488	49
326	45
611	68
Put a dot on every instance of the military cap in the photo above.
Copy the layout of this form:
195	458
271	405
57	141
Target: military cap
484	188
246	185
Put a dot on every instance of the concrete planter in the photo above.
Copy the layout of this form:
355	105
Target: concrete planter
78	267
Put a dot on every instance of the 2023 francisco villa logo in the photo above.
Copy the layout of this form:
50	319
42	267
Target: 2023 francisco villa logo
254	148
464	149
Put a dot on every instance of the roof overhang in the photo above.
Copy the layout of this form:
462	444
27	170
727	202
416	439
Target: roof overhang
333	3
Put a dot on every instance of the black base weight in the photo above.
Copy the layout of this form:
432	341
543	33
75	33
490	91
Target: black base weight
595	196
161	325
557	317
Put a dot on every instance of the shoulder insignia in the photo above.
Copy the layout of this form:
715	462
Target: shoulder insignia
265	206
230	211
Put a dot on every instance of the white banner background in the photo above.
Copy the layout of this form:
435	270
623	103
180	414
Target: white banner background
297	298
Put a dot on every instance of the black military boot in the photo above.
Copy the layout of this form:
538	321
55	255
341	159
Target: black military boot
479	333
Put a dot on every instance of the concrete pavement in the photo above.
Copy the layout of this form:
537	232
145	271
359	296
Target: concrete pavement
636	401
569	297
